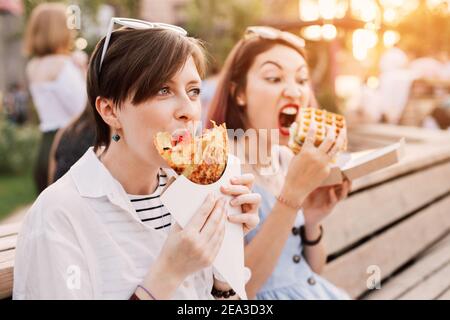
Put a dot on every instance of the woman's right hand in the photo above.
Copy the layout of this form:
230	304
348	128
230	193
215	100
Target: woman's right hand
189	250
310	167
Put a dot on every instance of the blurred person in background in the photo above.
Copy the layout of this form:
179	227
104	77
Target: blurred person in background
16	104
264	83
56	81
70	144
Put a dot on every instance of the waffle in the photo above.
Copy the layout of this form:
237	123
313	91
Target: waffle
200	159
323	120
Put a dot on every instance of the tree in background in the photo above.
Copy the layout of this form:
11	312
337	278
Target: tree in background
129	8
425	31
221	24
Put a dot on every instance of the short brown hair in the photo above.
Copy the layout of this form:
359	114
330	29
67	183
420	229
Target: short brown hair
137	63
47	31
224	106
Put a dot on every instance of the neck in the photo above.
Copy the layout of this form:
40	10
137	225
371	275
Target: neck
134	175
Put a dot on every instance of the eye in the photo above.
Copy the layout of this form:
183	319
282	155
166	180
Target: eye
195	92
164	91
273	79
302	81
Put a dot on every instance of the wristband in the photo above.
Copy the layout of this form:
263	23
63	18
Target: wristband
307	242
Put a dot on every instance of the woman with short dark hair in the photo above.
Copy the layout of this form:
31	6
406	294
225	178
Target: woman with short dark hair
101	231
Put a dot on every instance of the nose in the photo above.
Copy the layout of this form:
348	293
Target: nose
292	91
187	110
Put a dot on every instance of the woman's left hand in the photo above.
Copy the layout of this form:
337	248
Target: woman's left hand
322	201
241	191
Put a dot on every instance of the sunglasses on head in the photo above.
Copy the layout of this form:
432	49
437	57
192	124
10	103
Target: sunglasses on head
139	25
274	34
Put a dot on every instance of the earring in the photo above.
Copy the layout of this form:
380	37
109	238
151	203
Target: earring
116	137
240	102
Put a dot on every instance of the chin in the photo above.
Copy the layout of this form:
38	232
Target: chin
284	140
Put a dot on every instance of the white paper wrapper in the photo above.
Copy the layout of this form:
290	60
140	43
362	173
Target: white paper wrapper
355	165
183	198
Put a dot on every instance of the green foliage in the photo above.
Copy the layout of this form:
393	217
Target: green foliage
124	7
221	23
15	191
18	147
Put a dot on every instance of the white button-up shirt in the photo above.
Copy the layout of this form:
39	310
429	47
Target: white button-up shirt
82	239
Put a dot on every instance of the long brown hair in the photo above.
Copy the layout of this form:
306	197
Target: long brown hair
233	79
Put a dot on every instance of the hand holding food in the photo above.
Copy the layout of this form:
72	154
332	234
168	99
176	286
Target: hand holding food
323	121
315	143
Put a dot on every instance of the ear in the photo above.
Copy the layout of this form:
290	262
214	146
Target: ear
239	95
108	112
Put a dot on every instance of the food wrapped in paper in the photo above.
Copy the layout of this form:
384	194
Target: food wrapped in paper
200	159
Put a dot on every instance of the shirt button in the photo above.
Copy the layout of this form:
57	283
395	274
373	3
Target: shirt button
296	258
295	231
311	281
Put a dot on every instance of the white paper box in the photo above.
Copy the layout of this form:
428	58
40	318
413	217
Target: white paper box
183	198
359	164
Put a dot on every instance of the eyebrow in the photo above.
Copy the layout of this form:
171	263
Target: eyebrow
195	81
279	66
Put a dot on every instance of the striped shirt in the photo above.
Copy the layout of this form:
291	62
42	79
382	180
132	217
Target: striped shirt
150	209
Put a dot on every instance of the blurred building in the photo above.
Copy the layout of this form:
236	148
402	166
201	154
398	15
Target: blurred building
11	61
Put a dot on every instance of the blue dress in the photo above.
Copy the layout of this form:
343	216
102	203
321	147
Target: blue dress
292	278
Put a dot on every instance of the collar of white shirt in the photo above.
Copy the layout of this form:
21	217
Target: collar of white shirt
93	180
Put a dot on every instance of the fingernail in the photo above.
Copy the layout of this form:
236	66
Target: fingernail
234	179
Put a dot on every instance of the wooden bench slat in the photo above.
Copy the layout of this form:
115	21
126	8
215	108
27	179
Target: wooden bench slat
7	243
445	295
7	255
6	273
6	279
416	157
390	249
9	229
433	259
366	212
394	132
432	287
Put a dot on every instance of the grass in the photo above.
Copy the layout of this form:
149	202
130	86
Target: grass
15	192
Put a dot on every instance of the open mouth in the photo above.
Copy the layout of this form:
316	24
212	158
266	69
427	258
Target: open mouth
287	117
181	135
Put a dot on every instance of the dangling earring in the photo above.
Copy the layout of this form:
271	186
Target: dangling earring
116	137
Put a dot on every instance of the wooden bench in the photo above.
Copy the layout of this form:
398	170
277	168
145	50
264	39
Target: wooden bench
396	221
8	238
